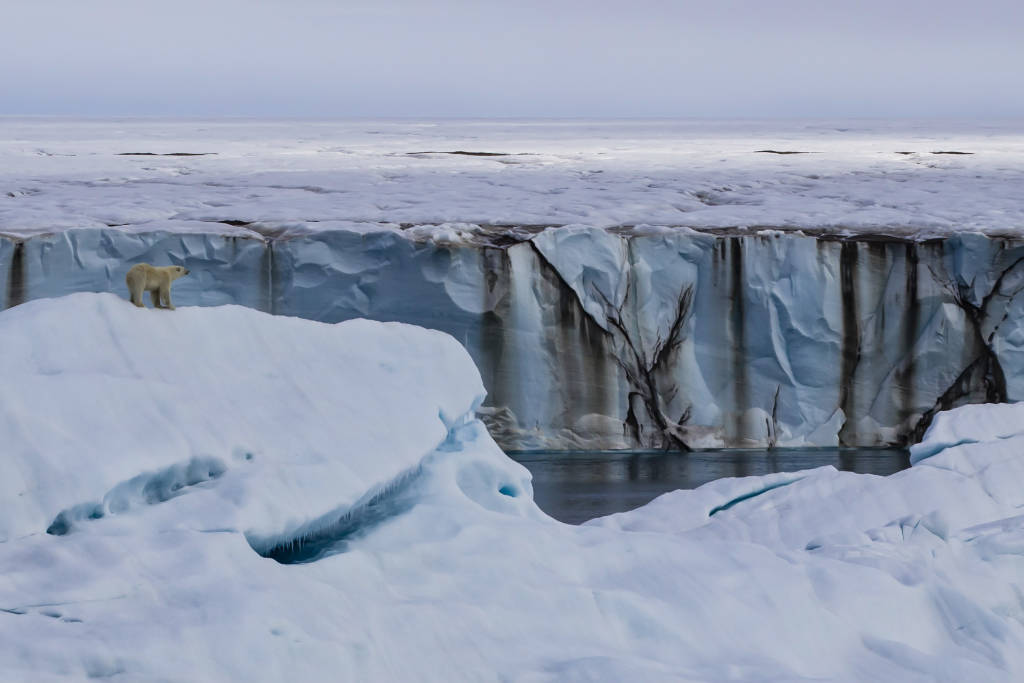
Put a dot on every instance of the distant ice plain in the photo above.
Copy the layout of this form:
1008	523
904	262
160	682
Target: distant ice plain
858	176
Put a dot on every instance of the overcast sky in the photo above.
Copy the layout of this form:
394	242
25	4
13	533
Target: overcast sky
560	58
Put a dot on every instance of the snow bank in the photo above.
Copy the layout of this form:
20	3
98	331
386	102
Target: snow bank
99	391
230	495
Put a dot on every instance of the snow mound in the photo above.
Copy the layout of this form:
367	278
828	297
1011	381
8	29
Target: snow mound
108	400
971	424
283	499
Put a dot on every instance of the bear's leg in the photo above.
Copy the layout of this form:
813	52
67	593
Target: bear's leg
135	287
154	296
134	291
165	295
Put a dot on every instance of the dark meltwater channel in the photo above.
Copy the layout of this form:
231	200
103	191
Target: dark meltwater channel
580	485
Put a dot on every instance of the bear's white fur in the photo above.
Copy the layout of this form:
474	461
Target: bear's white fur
156	280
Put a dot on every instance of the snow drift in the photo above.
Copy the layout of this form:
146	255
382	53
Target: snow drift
98	392
221	494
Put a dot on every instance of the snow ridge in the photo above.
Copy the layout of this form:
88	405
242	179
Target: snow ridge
331	532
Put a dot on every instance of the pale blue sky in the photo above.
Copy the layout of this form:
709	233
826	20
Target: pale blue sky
569	58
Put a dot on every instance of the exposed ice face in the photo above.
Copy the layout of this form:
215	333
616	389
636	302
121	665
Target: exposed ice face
347	518
587	338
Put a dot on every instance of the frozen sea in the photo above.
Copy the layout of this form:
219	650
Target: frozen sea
271	177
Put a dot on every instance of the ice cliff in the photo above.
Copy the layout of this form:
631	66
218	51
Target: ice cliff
845	279
640	337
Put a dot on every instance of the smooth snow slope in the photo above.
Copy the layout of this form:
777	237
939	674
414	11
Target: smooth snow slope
287	176
97	391
425	557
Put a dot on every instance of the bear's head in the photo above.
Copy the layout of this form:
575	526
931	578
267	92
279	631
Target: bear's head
178	271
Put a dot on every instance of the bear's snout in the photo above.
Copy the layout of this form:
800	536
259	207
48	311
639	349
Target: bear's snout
187	271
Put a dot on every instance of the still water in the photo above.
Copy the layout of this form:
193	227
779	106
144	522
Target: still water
580	485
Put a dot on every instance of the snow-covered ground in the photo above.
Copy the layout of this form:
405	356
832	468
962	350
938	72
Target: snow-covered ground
169	454
873	176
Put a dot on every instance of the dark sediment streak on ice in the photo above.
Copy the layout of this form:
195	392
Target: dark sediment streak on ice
775	331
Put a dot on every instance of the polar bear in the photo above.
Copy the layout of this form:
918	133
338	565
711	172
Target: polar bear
156	280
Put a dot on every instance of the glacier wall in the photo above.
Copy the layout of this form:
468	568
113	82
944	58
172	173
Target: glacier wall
641	338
